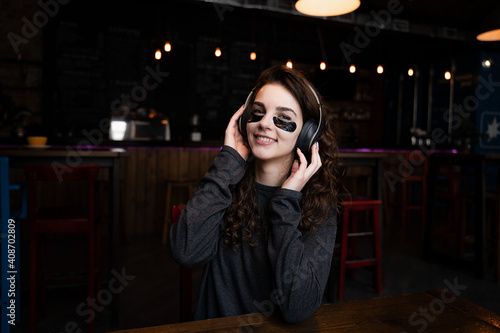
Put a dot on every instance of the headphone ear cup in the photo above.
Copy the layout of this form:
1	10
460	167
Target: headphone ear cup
243	120
242	125
306	137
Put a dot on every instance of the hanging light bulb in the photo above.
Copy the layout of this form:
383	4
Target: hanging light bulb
487	63
410	72
289	64
352	69
380	69
322	66
447	75
168	47
253	56
218	52
158	54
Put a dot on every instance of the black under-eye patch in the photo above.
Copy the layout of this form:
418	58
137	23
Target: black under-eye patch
287	126
254	118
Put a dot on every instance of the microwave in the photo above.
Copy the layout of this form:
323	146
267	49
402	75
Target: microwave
140	130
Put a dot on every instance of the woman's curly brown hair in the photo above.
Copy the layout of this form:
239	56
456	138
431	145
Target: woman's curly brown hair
319	199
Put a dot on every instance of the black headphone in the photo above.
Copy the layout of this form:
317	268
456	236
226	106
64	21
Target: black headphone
309	134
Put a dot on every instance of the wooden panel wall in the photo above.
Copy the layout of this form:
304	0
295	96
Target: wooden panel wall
143	177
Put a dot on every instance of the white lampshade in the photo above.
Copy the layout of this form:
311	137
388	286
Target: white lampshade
490	29
326	7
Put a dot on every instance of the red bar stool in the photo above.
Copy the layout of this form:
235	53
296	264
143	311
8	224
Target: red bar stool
44	220
351	208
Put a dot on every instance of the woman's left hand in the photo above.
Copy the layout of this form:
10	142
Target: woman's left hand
301	171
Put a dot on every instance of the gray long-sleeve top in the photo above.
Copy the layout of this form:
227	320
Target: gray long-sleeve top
285	272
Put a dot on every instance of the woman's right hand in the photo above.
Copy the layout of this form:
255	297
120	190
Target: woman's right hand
233	137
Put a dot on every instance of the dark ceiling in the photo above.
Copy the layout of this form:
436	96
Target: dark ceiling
463	14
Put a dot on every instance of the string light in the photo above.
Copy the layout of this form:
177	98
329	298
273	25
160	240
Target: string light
322	66
289	64
410	72
380	69
447	75
218	52
167	47
352	69
158	54
487	63
253	56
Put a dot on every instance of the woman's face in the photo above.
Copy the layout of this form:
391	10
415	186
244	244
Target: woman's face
274	124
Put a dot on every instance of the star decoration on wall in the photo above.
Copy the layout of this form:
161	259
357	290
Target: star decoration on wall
493	130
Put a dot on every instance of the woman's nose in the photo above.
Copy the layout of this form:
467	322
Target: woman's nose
266	122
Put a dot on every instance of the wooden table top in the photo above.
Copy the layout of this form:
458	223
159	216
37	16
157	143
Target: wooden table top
432	311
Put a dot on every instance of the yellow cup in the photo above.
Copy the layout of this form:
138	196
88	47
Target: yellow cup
37	140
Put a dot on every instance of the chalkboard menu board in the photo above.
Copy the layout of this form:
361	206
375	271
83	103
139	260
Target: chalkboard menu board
222	83
94	65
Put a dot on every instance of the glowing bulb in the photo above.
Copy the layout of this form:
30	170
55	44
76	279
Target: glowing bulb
158	54
410	72
168	47
352	69
380	69
447	75
218	52
289	64
322	66
487	63
253	56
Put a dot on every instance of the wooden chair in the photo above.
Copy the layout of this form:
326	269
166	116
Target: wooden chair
185	277
188	186
61	220
349	234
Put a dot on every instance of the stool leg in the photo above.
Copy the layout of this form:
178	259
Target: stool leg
343	252
33	277
91	274
377	251
168	213
353	227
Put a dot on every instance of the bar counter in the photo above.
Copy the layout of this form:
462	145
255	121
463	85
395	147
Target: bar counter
433	311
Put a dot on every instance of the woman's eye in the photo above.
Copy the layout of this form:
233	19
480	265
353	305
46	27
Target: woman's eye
258	112
285	117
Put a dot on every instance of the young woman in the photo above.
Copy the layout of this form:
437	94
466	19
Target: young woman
263	221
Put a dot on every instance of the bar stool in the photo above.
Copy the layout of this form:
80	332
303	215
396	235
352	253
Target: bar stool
61	220
351	207
185	277
413	169
188	186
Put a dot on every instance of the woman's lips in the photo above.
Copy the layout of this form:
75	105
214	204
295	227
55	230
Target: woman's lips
264	140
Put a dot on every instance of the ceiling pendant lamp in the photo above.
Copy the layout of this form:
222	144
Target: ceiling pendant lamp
326	7
490	29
